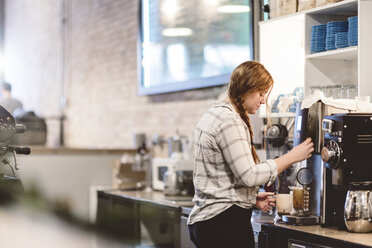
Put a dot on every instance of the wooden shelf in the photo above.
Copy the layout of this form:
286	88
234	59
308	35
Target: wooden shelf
347	53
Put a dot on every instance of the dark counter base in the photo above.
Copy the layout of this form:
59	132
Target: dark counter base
143	219
272	236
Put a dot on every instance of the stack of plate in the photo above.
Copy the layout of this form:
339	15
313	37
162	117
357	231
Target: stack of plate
353	31
318	35
341	40
332	29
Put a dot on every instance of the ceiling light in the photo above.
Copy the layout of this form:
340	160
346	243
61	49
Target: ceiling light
233	9
170	8
177	32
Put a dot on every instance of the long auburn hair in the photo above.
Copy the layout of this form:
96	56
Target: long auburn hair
249	76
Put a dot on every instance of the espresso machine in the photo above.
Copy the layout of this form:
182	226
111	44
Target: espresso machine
342	152
347	159
10	185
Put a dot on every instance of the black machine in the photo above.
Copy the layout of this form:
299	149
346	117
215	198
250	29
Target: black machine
276	141
342	154
347	155
277	144
10	185
308	123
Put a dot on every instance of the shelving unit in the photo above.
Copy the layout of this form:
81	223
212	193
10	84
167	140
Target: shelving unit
335	67
345	7
347	53
351	65
279	115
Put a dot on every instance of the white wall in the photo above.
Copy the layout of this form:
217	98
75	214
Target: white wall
67	177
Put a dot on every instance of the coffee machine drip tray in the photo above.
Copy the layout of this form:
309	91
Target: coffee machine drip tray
299	220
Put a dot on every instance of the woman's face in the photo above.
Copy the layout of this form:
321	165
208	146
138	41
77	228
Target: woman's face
253	101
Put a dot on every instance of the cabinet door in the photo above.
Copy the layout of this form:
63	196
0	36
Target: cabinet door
118	218
159	225
282	52
185	238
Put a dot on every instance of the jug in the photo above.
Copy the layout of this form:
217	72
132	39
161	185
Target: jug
171	184
358	207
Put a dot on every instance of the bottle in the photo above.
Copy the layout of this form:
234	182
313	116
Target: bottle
171	186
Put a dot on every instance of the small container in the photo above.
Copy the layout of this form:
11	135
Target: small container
283	204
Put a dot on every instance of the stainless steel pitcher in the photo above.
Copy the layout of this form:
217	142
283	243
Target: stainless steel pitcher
358	207
171	184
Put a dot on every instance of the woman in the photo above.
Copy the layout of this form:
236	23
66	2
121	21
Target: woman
227	170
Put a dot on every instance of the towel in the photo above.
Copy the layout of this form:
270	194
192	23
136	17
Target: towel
345	104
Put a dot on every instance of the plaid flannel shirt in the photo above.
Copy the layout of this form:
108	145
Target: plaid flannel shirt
224	170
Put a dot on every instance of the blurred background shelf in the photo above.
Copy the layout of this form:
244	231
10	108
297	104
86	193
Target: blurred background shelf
279	115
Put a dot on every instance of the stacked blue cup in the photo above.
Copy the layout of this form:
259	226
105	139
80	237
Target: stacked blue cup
341	40
332	29
318	35
353	31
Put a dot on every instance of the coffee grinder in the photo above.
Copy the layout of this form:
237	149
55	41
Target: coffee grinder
308	124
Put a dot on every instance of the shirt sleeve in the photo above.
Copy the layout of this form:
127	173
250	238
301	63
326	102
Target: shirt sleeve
234	142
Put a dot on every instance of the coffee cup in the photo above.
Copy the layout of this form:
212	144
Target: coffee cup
283	204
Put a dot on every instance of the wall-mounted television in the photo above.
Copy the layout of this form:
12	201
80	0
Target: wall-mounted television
192	44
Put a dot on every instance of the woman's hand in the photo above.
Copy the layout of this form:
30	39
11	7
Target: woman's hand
265	201
303	150
297	154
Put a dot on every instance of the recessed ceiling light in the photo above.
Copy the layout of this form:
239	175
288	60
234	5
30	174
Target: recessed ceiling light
177	32
233	9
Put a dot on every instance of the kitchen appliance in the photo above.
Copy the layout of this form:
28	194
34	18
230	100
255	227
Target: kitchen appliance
178	182
36	129
159	167
179	170
125	178
277	144
185	182
308	123
358	207
342	148
10	185
346	156
173	175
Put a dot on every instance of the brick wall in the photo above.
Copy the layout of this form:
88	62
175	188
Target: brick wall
91	62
